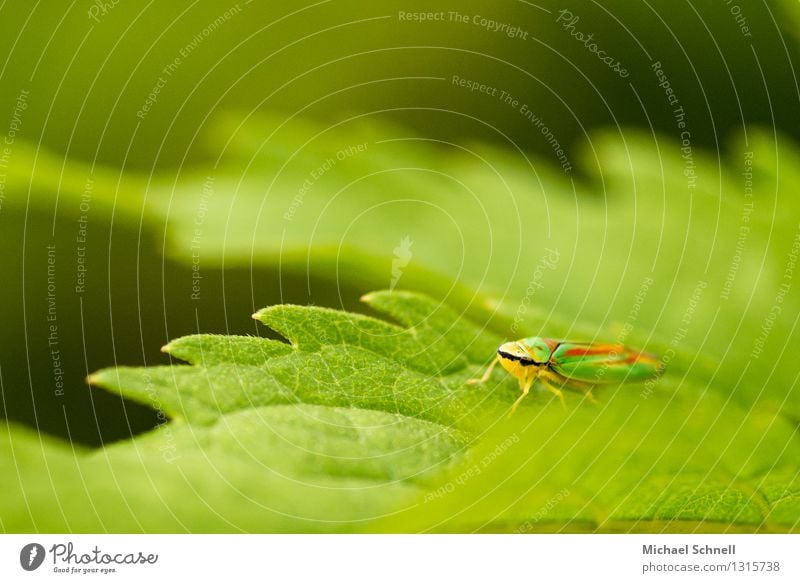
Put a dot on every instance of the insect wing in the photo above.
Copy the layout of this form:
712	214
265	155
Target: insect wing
603	363
540	349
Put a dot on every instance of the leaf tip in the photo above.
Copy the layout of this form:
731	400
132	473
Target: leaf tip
102	378
375	297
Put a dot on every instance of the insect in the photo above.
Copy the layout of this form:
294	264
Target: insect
572	365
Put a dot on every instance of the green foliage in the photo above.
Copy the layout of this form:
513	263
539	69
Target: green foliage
666	248
359	424
342	427
339	359
677	253
363	423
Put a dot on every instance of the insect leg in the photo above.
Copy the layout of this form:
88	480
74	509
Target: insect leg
588	392
584	387
552	382
486	374
525	387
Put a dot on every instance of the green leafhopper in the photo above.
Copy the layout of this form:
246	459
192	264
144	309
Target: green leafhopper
572	365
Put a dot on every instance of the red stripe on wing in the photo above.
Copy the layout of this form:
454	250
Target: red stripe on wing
595	349
637	356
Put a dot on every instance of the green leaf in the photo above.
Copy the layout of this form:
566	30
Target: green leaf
319	444
359	424
241	474
693	258
674	250
335	358
331	431
674	462
683	253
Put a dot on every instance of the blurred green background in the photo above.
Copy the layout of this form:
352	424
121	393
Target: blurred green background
90	67
134	89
